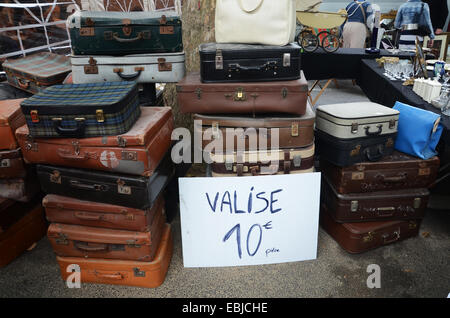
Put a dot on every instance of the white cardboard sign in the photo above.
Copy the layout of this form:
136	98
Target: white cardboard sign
249	220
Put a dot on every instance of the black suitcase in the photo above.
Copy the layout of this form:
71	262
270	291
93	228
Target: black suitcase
346	152
119	189
222	62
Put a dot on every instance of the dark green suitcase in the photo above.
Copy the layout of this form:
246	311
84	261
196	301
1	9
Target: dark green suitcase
123	33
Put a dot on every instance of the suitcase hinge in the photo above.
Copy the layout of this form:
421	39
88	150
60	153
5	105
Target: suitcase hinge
138	273
369	237
198	91
240	95
92	67
417	203
294	130
392	124
62	239
100	116
122	142
284	92
354	128
34	116
5	163
297	161
122	188
129	155
163	66
354	206
287	59
55	177
219	60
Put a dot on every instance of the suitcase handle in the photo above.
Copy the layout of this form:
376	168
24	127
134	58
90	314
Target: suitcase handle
67	155
116	276
375	157
70	132
240	68
116	37
23	85
129	77
87	217
87	248
396	237
397	179
95	187
376	133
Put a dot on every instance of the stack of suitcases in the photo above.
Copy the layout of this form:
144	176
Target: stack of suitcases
252	90
22	220
372	195
102	160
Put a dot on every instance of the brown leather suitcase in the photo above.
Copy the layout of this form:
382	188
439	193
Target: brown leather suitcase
136	152
364	236
396	171
20	189
121	272
11	164
22	224
401	204
242	98
293	131
6	219
11	118
66	210
94	242
255	163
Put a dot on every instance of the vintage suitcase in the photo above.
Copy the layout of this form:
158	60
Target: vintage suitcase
242	98
223	62
363	236
119	189
401	204
120	33
293	131
11	164
23	225
36	72
70	240
347	152
396	171
356	120
66	210
121	272
21	189
11	118
6	218
255	163
141	68
136	152
83	110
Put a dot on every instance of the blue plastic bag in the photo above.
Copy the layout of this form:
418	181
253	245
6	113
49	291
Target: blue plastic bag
419	131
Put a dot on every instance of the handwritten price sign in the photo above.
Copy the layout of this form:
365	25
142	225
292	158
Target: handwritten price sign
249	220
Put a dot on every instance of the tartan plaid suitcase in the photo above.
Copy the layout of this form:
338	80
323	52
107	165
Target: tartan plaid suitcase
122	33
83	110
36	72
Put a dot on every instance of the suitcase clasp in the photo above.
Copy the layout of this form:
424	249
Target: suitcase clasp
354	128
412	225
355	151
219	60
138	273
294	130
5	163
417	203
198	91
122	188
354	206
163	66
392	124
126	29
369	237
240	95
100	116
62	239
287	59
92	67
55	177
34	116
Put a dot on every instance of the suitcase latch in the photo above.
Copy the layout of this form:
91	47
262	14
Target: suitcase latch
55	177
163	28
5	163
100	116
369	237
219	60
412	225
34	116
240	95
417	203
30	144
355	151
138	273
390	143
122	188
92	67
229	166
354	128
121	142
62	239
284	92
198	91
392	124
287	59
294	130
89	30
126	27
297	161
163	66
354	206
129	155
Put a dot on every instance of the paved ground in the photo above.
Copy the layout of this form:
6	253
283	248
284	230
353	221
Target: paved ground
417	267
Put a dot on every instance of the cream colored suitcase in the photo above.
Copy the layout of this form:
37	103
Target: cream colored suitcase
356	120
141	68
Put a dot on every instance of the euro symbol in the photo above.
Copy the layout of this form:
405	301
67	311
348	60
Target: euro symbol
268	225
